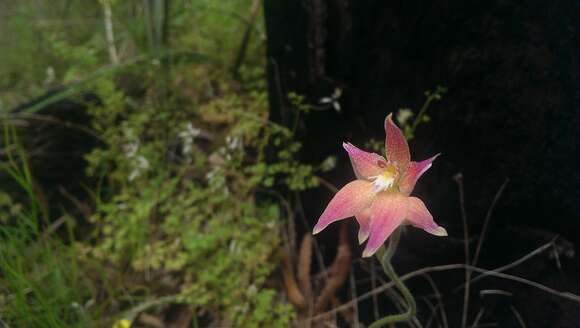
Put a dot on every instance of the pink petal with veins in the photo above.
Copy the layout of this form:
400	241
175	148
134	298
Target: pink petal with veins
364	164
364	220
387	212
414	172
348	201
397	149
418	215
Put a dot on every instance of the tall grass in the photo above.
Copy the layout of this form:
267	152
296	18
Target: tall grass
41	284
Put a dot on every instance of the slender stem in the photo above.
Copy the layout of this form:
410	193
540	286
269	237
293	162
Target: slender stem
384	256
422	111
459	180
109	32
486	221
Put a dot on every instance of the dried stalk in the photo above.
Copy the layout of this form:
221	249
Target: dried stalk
459	266
459	180
304	261
340	269
109	32
292	290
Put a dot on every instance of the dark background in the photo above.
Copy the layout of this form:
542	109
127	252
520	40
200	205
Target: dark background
512	111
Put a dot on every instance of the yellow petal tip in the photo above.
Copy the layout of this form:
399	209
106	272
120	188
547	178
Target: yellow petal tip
440	231
367	254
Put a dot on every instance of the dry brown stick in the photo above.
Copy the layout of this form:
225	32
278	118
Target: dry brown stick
54	226
292	290
447	267
317	252
304	262
82	207
340	269
150	320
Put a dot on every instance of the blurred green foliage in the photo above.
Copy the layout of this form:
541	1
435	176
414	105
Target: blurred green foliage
188	156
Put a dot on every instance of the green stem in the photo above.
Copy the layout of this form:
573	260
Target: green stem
422	111
384	256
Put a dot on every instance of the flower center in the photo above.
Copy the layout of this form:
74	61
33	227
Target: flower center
385	180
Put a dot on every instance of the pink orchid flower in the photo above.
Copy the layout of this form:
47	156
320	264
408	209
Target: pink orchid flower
379	198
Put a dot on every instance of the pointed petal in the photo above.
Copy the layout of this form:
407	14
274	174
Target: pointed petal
364	164
414	172
419	216
348	201
397	149
387	212
364	221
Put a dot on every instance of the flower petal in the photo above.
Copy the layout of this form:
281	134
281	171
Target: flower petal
419	216
364	164
397	149
414	172
387	212
348	201
364	221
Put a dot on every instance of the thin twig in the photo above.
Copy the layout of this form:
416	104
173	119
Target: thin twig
373	286
433	309
340	268
439	298
327	184
518	316
292	290
486	221
477	318
353	293
254	10
459	180
459	266
513	264
317	252
52	120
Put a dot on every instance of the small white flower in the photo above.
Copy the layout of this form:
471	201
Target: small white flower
134	174
188	135
50	75
142	163
131	149
210	175
333	99
190	132
325	100
403	115
233	143
252	290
